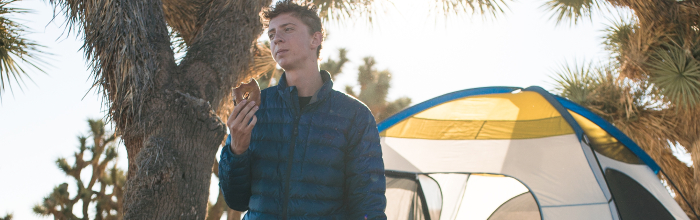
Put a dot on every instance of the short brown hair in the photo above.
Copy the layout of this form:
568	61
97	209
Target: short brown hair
306	12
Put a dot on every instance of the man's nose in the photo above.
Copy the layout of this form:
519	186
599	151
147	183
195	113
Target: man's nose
277	39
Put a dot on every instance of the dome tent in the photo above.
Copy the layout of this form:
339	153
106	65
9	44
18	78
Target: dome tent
511	153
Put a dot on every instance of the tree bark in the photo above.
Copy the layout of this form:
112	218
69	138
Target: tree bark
165	112
173	177
178	130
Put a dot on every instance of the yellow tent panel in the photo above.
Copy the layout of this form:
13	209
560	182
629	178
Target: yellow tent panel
495	116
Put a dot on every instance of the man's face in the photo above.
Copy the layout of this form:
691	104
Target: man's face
291	44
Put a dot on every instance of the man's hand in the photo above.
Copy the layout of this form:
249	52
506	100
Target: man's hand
239	126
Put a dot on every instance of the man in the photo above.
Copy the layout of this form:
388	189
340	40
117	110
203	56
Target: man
308	152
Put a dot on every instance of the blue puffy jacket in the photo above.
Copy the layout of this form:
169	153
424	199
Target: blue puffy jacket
322	162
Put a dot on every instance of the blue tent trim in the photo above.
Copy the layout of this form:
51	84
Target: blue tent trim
396	118
612	130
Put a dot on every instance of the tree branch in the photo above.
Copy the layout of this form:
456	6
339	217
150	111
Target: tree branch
224	46
127	44
185	17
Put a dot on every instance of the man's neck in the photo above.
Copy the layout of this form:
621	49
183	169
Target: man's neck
307	81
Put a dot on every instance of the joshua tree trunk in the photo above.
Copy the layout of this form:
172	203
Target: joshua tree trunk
165	111
173	176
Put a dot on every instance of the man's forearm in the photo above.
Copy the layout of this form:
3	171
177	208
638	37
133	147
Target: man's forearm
365	174
234	178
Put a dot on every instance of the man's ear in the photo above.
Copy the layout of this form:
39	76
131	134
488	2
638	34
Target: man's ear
316	39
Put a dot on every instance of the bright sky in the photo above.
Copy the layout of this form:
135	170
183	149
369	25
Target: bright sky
427	57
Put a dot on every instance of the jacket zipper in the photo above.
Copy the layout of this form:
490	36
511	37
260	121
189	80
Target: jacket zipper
289	167
285	204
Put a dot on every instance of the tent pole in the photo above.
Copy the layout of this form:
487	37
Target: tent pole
679	193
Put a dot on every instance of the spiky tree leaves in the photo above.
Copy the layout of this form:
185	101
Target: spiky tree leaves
341	10
677	75
336	10
571	10
617	39
103	189
482	7
576	82
599	89
15	50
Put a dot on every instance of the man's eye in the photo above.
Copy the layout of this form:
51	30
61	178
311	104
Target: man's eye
271	36
288	29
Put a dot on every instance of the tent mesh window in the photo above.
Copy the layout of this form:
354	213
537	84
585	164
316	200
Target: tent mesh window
633	201
406	199
403	201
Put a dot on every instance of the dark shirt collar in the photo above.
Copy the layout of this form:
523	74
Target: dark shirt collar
321	94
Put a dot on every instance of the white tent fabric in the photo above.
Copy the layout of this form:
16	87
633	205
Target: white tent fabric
550	166
587	212
453	186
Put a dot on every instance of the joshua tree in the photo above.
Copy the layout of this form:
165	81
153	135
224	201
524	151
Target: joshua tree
335	67
656	67
169	112
374	87
7	217
104	187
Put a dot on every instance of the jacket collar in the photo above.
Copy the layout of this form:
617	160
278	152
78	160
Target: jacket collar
290	92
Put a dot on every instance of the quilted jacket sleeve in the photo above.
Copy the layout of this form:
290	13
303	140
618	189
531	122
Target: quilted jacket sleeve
364	181
234	177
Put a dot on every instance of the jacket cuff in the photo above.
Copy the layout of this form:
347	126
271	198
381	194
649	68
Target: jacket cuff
231	159
227	150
